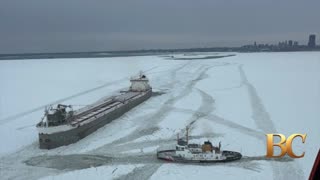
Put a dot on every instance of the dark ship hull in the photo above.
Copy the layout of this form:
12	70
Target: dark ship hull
90	120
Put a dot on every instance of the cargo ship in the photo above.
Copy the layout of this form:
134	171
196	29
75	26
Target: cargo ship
62	125
197	153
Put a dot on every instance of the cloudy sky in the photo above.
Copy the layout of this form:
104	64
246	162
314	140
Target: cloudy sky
95	25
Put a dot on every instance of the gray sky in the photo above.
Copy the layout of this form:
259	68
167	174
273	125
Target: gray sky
94	25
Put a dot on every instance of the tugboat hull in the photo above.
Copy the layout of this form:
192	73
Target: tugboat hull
169	155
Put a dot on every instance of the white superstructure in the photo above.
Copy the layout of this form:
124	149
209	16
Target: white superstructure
140	83
199	153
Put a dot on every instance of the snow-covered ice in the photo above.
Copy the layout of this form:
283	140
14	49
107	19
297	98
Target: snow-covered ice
236	100
103	172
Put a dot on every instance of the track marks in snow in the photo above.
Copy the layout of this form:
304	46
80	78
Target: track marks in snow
206	107
19	115
220	120
139	173
290	170
259	112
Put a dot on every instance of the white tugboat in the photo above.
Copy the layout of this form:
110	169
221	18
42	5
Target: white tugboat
197	153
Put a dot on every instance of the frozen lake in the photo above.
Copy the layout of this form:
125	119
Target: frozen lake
236	100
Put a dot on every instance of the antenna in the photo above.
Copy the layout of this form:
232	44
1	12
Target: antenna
187	134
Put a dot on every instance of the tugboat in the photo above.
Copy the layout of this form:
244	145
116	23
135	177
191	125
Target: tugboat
197	153
63	126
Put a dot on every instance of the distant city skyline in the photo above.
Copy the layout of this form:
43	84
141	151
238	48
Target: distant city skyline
37	26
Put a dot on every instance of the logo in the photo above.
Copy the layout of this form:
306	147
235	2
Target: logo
285	145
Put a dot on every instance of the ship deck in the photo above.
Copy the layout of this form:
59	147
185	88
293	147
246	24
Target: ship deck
101	107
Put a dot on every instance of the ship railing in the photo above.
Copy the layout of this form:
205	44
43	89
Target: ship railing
92	108
100	108
98	113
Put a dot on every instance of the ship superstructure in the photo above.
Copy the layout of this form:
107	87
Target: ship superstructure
62	125
196	153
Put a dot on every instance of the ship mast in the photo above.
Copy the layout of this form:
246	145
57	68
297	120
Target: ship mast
187	135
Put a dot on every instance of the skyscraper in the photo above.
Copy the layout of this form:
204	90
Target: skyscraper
312	41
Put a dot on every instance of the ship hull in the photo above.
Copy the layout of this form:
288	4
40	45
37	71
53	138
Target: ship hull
54	140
